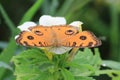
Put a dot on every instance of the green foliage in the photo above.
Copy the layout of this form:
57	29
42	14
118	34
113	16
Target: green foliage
8	21
30	64
2	64
111	64
31	12
84	78
33	64
85	63
11	48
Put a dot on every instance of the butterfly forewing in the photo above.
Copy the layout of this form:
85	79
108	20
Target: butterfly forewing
37	36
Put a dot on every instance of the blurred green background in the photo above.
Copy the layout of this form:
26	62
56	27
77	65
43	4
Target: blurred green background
102	17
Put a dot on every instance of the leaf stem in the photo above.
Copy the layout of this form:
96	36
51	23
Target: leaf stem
114	33
7	20
72	54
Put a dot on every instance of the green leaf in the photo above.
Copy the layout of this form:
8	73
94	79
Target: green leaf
7	20
111	64
85	63
67	74
94	22
83	57
87	57
44	76
53	7
9	75
10	49
114	33
84	78
7	54
78	5
114	74
96	61
30	64
4	65
81	69
65	7
41	76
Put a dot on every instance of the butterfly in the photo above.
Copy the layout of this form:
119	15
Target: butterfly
57	36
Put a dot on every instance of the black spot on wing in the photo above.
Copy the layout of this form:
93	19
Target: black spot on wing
41	44
25	43
39	33
69	32
74	44
81	45
45	44
98	41
83	37
35	44
30	37
90	44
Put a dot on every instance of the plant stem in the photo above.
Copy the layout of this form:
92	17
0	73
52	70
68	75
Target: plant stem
114	34
72	54
7	20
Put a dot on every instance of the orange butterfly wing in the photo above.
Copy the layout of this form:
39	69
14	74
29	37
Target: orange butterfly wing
82	39
61	35
37	36
62	32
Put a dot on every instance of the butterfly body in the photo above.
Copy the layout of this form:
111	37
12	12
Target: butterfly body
57	36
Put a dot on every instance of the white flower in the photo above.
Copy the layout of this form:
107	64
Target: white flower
76	24
26	25
47	20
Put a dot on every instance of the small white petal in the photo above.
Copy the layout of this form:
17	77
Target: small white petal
58	50
16	37
47	20
76	24
26	25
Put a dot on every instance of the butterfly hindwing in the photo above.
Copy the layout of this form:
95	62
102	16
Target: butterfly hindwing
82	39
